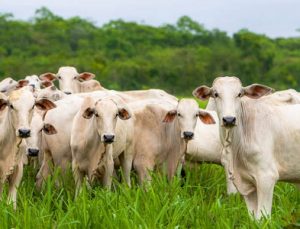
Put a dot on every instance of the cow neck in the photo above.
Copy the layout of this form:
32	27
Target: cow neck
8	137
244	133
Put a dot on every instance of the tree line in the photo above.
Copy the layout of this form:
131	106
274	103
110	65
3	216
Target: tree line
129	55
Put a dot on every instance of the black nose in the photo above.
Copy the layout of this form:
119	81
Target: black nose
24	133
68	93
229	121
188	135
33	152
108	138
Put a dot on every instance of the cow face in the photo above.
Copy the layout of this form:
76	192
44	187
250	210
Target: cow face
227	93
69	79
106	112
51	93
7	85
34	81
186	115
21	105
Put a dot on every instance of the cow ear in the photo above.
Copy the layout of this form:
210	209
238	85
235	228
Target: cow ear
88	113
3	104
206	117
255	91
22	83
44	104
124	113
170	116
46	83
202	92
85	76
49	129
48	76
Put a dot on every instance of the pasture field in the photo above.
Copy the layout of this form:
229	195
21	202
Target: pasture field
199	202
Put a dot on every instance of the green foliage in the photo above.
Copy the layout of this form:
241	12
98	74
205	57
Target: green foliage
128	55
200	202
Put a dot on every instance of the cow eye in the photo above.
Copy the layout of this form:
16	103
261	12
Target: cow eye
97	115
216	95
179	115
240	94
11	106
59	77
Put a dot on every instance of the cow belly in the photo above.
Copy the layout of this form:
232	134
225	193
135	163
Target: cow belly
287	155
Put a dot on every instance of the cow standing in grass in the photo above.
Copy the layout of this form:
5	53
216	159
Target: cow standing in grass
263	139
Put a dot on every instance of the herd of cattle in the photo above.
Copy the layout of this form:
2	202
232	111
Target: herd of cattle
253	132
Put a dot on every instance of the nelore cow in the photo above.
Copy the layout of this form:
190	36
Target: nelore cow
262	139
161	132
102	130
16	111
70	81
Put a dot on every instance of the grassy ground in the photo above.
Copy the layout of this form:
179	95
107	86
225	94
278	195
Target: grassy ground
201	202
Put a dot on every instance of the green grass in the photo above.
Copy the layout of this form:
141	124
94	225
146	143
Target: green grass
201	202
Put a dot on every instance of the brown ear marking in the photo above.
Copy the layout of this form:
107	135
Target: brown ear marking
256	91
46	83
85	76
88	113
206	117
202	92
48	76
49	129
44	104
22	83
124	114
170	116
3	103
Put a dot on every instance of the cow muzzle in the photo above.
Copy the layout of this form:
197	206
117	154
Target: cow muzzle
68	92
188	135
229	121
32	152
24	133
108	138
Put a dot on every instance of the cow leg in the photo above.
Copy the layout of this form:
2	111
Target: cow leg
109	167
14	182
143	167
251	202
226	161
265	188
44	171
2	180
78	178
126	166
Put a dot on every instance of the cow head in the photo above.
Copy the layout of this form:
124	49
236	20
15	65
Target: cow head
51	93
106	113
186	115
227	93
21	105
7	85
33	81
69	79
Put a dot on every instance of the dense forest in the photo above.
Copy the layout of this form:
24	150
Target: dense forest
128	55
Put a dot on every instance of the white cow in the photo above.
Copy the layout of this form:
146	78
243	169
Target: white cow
70	81
262	139
101	131
15	115
8	84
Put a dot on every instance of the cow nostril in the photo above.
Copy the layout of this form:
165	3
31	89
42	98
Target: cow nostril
229	121
33	152
188	135
108	138
68	93
24	133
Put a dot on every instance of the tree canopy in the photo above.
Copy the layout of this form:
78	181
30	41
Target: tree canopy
128	55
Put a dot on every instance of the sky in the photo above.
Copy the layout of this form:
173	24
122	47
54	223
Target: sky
275	18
